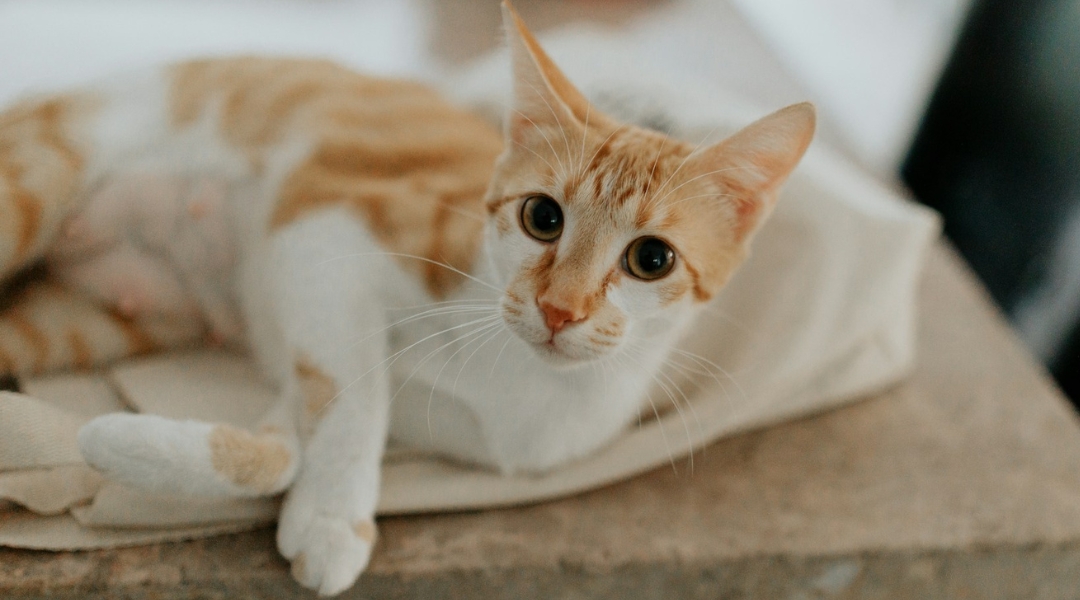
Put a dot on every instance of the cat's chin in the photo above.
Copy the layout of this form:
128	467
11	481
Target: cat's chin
559	358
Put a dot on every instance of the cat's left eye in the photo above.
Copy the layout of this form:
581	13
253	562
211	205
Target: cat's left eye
542	218
649	258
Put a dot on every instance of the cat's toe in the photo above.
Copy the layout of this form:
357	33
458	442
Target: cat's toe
327	553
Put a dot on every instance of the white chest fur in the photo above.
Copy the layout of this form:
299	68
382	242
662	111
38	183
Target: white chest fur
467	386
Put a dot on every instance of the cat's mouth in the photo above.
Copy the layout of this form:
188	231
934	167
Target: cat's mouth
555	355
560	351
565	349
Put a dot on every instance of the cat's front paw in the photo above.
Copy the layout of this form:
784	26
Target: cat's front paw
327	552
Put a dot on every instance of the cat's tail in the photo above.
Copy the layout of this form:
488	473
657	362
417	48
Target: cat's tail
192	458
47	327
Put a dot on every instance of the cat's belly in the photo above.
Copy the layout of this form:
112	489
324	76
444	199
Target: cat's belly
155	244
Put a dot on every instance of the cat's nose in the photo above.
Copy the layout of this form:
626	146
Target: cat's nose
557	318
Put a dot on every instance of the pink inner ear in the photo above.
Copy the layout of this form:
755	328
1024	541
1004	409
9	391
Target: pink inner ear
519	124
746	213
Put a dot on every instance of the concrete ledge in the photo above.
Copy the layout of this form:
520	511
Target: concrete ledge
962	483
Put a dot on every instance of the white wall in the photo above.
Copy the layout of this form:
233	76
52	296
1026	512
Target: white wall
871	64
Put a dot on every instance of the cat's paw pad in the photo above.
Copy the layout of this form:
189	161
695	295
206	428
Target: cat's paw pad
327	553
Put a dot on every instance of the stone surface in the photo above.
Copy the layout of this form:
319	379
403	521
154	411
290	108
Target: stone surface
963	482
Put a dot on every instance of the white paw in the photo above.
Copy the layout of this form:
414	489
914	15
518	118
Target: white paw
142	450
327	552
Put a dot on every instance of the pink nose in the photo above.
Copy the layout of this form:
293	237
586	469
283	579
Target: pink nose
557	318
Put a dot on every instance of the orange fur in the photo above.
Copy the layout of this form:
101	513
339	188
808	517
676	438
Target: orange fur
317	388
40	168
365	530
413	167
83	354
251	461
422	175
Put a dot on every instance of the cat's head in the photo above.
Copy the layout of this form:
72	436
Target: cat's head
606	234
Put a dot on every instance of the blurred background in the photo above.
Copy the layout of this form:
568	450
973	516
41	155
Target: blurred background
972	104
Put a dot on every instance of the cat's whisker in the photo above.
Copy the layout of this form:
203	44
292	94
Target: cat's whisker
584	136
686	400
393	357
716	311
656	160
606	140
464	301
696	370
497	356
696	196
435	312
656	415
415	257
551	109
683	369
538	155
491	336
697	177
421	362
651	201
701	360
475	335
654	373
554	152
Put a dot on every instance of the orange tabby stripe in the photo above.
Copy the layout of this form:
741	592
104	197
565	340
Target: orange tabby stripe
699	291
138	341
33	140
39	342
494	206
29	210
51	115
407	163
7	363
83	355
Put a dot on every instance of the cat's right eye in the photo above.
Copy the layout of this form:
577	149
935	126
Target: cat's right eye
542	218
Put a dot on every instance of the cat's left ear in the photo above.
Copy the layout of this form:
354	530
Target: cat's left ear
542	93
753	164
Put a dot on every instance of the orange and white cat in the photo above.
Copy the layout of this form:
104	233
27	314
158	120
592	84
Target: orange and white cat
397	267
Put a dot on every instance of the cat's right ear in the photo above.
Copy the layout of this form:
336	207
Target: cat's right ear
752	164
543	96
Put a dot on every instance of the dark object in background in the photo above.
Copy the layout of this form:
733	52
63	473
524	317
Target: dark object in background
998	152
1068	369
8	383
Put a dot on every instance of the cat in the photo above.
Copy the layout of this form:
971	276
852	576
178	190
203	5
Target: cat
336	224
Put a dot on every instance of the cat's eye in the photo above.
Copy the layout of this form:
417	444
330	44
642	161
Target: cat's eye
542	218
649	258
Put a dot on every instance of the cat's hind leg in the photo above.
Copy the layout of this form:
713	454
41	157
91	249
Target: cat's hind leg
46	327
52	150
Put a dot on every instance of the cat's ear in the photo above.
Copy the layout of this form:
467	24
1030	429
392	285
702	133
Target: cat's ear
752	164
542	93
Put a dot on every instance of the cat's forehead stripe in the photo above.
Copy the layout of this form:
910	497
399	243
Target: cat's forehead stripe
601	153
